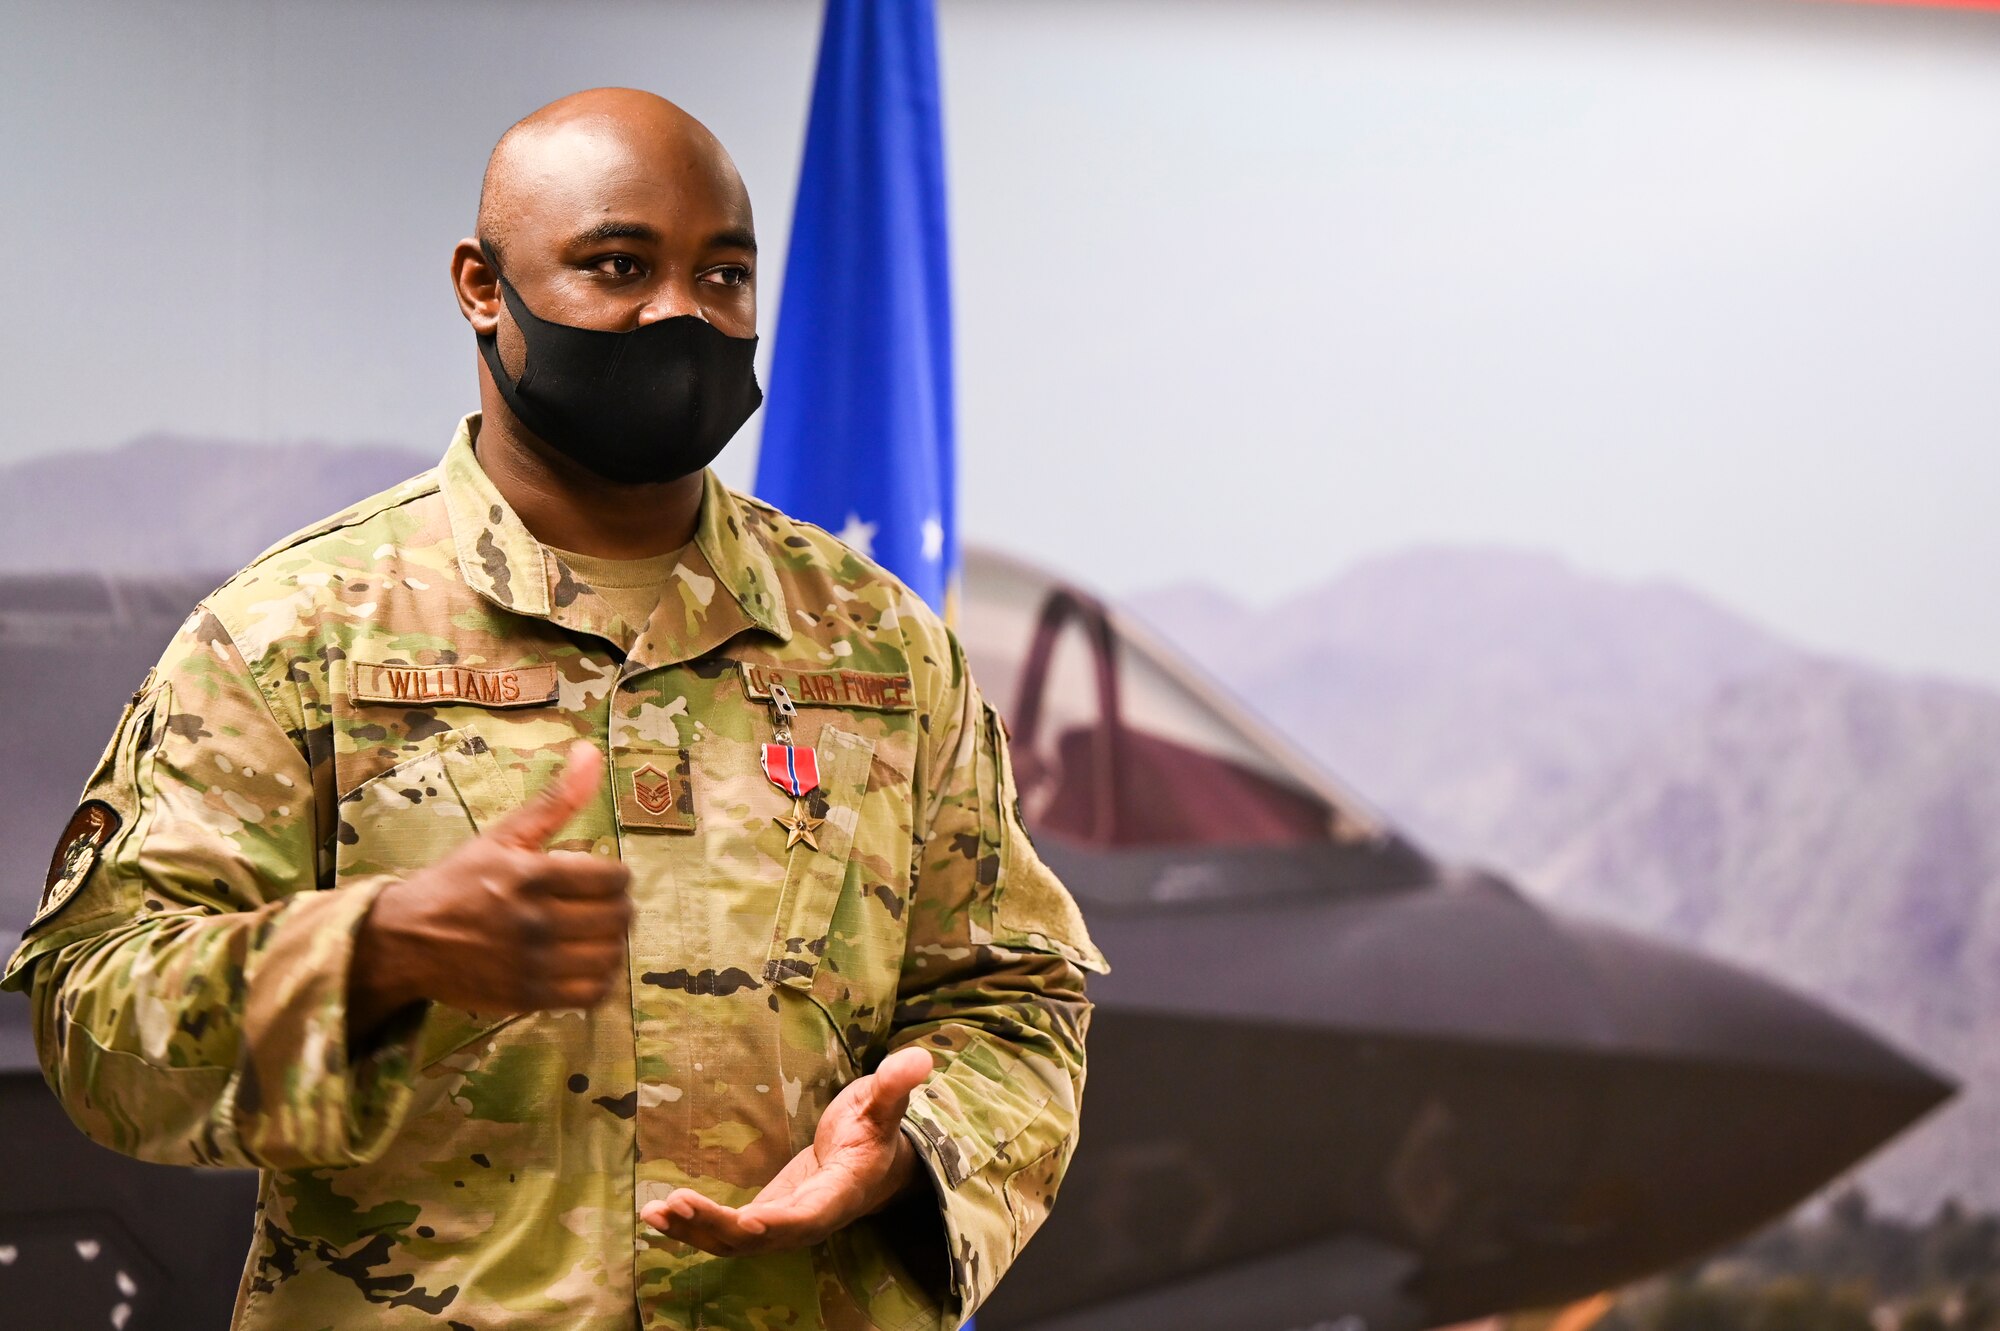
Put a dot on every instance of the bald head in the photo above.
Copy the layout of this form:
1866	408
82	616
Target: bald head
582	150
589	146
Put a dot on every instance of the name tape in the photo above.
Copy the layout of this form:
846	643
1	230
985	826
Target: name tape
486	686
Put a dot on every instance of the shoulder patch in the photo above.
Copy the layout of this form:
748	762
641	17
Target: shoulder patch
93	824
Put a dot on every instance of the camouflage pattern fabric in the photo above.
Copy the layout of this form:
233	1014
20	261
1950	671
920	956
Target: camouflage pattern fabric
370	692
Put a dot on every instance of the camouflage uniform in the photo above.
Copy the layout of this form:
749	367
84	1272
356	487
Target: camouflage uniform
374	690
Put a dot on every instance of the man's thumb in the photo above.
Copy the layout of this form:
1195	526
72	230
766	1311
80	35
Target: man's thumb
531	825
899	1074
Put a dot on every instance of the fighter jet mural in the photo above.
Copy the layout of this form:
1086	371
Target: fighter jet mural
1332	1078
1333	1082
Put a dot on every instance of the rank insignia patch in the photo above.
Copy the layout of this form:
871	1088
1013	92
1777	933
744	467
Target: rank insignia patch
655	790
76	855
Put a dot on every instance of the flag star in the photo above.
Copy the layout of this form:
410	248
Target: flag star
933	539
858	534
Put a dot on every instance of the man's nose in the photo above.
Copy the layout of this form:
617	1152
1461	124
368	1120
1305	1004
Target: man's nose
670	300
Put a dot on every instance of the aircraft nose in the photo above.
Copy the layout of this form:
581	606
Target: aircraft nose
1722	1099
1669	1003
1540	1105
1476	957
1718	1099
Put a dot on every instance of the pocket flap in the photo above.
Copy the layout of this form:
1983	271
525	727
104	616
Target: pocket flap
813	878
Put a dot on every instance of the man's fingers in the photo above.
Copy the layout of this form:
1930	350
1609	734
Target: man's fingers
531	825
823	1203
781	1231
575	991
603	919
572	873
685	1206
690	1217
585	961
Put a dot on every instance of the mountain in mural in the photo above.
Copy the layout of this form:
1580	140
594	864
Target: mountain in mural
1635	752
168	503
1466	689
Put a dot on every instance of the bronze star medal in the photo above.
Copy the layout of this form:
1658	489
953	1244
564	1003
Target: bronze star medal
798	827
794	770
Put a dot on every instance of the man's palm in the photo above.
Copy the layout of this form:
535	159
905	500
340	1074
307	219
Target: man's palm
857	1163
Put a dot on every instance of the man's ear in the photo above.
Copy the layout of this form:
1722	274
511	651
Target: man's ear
476	282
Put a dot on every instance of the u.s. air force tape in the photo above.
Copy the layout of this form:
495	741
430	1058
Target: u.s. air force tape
832	688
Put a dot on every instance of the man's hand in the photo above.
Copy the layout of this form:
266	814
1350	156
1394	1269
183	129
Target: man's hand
500	924
858	1161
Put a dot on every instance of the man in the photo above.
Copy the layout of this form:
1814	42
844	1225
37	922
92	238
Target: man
594	899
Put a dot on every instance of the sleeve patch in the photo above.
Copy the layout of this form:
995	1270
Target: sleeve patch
93	824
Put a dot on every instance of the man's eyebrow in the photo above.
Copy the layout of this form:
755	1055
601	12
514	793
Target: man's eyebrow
735	238
615	231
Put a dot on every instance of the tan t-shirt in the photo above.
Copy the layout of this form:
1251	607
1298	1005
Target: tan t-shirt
632	587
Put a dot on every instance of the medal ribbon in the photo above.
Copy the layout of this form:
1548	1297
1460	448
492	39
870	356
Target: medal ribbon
792	768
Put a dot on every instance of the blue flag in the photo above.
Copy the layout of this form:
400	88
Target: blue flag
858	428
858	425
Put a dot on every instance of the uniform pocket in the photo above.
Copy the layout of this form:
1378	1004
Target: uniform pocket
405	819
813	876
822	943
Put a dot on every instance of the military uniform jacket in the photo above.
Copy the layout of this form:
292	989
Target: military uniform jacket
377	688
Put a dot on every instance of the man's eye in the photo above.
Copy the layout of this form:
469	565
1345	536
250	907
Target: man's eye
617	265
729	275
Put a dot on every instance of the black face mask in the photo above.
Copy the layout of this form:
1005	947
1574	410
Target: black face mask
652	404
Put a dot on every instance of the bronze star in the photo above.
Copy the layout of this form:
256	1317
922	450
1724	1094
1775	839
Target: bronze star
799	828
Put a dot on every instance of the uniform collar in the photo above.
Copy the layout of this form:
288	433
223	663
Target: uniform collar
501	560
